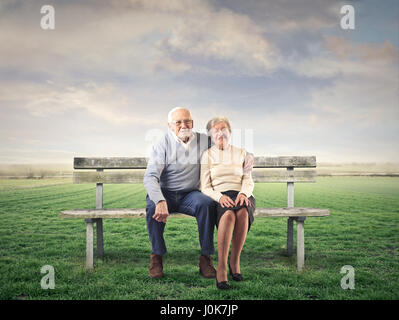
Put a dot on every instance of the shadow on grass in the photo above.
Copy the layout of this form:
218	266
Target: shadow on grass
190	257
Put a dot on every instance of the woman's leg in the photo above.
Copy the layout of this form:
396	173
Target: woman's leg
240	234
225	231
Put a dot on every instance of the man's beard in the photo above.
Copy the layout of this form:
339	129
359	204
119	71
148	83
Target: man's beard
184	133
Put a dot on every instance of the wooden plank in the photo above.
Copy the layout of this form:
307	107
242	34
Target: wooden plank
89	244
300	244
104	213
137	176
108	177
141	162
140	212
290	236
291	212
110	163
290	189
285	161
99	193
284	176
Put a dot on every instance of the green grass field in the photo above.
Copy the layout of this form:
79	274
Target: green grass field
362	231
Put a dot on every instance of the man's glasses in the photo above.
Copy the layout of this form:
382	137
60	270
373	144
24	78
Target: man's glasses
179	123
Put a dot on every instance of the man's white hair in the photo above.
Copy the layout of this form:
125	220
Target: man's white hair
173	110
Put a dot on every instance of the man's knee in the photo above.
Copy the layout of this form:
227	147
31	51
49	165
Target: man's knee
204	201
199	202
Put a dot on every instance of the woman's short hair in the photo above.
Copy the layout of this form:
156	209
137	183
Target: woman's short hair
214	121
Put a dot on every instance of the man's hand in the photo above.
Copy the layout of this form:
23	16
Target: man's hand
248	163
241	198
226	201
161	211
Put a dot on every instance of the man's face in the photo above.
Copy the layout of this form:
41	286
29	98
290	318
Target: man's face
181	124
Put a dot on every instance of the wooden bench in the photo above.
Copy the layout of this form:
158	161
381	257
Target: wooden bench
289	176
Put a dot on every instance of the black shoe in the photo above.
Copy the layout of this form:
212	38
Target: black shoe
223	285
236	276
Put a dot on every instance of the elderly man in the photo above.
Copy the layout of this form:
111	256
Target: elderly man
172	181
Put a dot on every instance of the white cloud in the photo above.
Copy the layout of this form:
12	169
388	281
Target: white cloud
226	37
135	37
364	84
106	102
355	116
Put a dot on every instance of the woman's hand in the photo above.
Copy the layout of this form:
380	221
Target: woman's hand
226	201
241	198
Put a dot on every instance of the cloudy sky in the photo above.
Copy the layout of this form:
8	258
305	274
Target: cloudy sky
289	78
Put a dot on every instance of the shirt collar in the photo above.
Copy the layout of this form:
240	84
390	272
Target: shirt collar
180	141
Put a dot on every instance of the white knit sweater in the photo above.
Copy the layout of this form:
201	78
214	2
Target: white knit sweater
222	170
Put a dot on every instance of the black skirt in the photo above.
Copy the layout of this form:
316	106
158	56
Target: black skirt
233	195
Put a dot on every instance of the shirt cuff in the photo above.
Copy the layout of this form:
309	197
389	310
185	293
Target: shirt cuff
218	196
156	198
246	193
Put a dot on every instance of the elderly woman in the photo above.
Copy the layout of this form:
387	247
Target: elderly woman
223	179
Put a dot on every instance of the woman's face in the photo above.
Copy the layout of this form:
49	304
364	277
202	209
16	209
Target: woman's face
220	134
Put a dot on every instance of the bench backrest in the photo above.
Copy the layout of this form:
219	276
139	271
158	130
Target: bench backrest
138	164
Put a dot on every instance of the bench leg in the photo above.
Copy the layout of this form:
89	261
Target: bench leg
290	236
100	243
89	244
300	242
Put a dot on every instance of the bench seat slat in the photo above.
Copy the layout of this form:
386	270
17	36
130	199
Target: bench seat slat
140	212
291	212
138	175
103	213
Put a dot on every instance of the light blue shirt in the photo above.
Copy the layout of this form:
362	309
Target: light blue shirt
173	167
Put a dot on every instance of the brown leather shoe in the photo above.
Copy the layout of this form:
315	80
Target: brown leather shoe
156	267
206	267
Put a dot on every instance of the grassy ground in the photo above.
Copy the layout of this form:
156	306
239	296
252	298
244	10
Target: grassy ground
362	231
